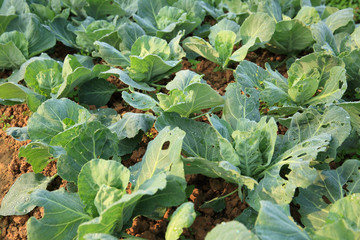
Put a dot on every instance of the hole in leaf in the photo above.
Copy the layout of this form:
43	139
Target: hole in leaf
285	170
326	199
301	155
165	146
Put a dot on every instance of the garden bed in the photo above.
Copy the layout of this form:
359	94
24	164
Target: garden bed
228	129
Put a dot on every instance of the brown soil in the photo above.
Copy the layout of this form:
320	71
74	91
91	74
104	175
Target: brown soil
116	102
137	154
262	56
11	167
5	74
205	189
218	79
59	51
210	20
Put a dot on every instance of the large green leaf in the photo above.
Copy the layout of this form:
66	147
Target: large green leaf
99	236
352	66
19	74
39	38
129	33
334	121
351	42
149	9
290	37
11	94
340	19
203	48
240	103
254	143
38	155
250	75
44	76
321	61
276	92
131	123
224	24
120	211
343	220
139	100
308	15
176	51
257	25
53	117
240	54
353	109
183	79
96	92
146	45
325	40
10	56
110	54
328	188
82	144
278	187
93	30
183	217
218	169
78	70
53	225
275	222
18	39
224	44
14	7
195	97
334	88
97	173
107	116
100	9
201	140
172	195
232	230
58	26
4	22
19	194
151	68
126	79
159	156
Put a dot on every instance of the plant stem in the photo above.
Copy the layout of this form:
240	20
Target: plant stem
157	85
122	89
55	175
229	194
201	115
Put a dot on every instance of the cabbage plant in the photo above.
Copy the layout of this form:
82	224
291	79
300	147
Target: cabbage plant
256	30
149	60
160	19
